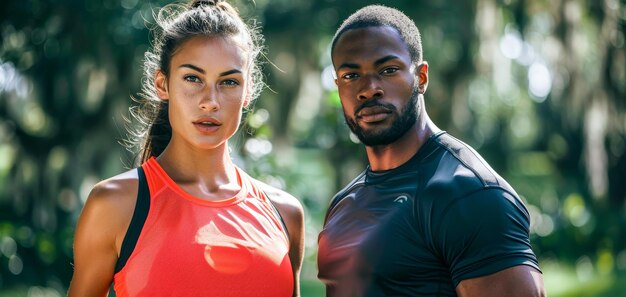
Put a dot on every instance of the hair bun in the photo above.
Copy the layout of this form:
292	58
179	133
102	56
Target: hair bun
200	3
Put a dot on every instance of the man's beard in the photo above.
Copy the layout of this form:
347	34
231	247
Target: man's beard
406	119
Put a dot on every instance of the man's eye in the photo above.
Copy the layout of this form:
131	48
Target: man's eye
390	70
350	76
192	78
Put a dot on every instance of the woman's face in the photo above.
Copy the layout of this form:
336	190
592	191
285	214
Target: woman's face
206	90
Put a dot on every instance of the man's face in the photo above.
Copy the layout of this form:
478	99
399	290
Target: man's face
377	84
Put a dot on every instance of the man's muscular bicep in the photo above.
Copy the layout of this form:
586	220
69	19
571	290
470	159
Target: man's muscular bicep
517	281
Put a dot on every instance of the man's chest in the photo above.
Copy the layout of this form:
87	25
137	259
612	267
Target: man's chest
374	233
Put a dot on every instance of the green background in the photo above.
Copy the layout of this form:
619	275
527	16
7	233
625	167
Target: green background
538	87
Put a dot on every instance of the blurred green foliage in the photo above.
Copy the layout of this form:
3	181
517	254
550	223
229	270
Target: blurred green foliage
537	87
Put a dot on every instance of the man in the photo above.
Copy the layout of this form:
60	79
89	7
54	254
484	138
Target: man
428	217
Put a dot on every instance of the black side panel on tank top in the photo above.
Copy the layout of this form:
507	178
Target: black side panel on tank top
136	223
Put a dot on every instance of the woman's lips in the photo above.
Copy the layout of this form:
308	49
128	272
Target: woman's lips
207	125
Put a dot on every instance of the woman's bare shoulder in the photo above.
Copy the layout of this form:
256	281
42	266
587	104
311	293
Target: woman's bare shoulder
281	198
290	210
117	191
111	202
100	231
292	213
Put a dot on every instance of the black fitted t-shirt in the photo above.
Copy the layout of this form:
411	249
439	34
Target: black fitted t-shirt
419	229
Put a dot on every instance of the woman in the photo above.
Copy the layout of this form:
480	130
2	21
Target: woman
188	222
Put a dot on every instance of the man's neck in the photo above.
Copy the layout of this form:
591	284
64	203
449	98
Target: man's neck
386	157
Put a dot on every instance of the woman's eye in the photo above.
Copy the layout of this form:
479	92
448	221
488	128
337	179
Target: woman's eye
192	78
390	70
230	82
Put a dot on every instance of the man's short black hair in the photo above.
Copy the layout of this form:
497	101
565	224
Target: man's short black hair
377	16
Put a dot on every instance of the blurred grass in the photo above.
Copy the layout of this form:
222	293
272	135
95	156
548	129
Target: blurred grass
562	281
311	288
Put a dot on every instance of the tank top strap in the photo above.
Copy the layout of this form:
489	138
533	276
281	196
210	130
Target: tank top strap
154	176
255	189
251	185
142	207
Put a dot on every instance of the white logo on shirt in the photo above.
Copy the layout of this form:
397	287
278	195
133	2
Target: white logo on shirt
401	199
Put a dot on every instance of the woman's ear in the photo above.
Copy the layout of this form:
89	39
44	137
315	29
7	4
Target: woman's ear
160	84
246	96
422	77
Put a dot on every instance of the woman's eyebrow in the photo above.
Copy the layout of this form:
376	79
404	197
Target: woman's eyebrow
229	72
194	67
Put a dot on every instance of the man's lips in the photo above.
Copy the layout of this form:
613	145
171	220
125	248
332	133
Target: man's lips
373	114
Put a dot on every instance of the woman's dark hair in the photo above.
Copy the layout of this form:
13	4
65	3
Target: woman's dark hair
176	24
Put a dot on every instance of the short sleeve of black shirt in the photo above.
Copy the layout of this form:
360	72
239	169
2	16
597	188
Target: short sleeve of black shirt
483	232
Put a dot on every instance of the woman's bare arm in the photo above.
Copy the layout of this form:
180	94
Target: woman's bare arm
99	234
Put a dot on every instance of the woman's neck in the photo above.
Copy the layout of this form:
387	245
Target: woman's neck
208	174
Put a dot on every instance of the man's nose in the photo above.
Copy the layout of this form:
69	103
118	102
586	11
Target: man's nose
371	88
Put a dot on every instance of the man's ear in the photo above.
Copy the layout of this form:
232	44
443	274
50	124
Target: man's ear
160	84
421	74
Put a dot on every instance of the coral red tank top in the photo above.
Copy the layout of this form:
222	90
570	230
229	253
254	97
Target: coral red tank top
187	246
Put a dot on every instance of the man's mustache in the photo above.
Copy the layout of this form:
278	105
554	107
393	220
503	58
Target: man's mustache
374	103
